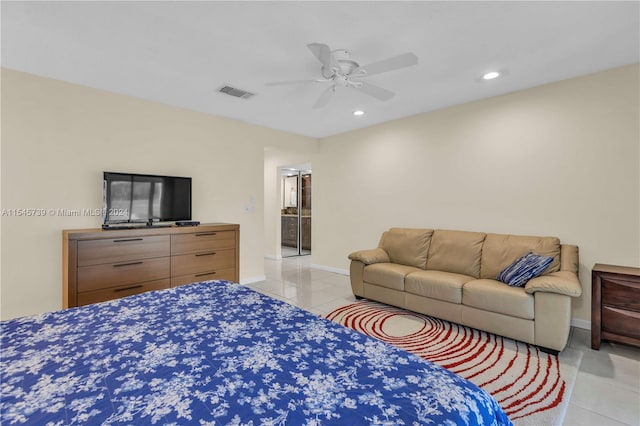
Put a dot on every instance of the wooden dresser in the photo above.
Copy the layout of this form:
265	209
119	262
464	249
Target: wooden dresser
615	305
102	265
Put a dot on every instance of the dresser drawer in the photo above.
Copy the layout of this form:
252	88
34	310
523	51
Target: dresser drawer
619	321
202	241
96	252
219	274
98	277
619	293
207	261
89	297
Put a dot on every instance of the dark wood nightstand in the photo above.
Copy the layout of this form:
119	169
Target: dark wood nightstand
615	305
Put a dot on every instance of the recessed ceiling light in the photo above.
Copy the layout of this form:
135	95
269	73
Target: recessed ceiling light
358	112
491	75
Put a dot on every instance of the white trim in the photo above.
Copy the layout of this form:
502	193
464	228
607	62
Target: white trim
272	257
253	280
330	269
581	323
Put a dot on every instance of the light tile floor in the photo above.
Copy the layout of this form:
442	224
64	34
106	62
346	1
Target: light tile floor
607	388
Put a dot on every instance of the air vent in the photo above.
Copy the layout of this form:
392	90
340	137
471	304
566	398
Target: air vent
238	93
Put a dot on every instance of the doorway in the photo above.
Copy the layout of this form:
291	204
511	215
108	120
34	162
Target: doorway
296	212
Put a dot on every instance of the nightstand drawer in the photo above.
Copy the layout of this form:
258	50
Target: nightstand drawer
89	297
207	261
202	241
220	274
96	252
619	321
620	293
98	277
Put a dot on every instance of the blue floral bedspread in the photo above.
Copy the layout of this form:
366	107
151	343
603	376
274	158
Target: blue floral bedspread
218	353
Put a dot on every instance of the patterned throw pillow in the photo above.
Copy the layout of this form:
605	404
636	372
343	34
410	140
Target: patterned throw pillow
522	270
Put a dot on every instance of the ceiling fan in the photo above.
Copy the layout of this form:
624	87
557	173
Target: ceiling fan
340	70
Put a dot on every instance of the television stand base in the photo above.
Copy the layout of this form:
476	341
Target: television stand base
115	227
187	223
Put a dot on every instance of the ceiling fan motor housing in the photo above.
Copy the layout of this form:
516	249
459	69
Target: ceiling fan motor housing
346	65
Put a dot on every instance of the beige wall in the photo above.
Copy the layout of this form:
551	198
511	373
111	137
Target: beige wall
561	159
58	138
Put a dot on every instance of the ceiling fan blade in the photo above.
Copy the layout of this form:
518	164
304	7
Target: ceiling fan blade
374	91
325	97
282	83
390	64
324	55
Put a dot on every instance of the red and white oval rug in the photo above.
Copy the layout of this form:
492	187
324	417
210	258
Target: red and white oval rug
532	387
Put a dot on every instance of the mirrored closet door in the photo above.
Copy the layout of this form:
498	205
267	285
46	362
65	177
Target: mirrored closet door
296	212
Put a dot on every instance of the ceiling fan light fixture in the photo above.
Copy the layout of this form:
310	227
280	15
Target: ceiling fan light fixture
491	75
358	112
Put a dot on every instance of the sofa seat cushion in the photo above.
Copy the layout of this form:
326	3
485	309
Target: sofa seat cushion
494	296
390	275
439	285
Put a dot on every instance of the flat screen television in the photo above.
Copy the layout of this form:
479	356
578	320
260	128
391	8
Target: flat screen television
137	198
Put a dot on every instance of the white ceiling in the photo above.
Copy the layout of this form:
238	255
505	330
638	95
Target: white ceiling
179	53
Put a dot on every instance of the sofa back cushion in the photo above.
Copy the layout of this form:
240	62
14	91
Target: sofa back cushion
501	250
407	246
456	251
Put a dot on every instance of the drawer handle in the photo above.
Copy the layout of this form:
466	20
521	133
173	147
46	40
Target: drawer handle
205	274
128	288
206	254
127	264
203	234
127	240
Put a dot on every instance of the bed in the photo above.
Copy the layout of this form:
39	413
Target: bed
218	353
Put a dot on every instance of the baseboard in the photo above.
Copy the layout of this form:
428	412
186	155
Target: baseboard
272	257
578	323
330	269
253	280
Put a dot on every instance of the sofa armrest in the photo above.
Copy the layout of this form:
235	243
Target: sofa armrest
368	257
561	282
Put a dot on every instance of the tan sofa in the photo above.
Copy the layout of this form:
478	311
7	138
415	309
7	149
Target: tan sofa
451	275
